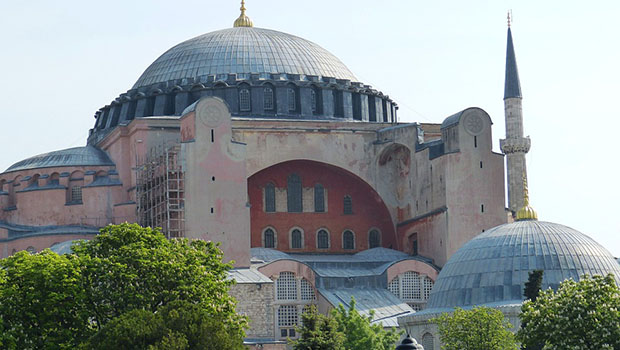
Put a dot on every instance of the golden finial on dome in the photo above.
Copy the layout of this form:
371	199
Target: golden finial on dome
243	20
526	212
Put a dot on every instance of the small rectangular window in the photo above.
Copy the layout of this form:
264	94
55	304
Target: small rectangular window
76	194
475	141
347	205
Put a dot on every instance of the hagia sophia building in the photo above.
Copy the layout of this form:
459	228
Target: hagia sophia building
269	144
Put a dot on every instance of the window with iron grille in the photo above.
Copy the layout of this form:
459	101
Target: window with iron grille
287	316
394	287
307	292
269	238
292	103
293	194
348	240
319	198
410	286
244	100
374	239
427	286
347	204
415	306
296	240
270	198
268	99
322	239
76	194
286	286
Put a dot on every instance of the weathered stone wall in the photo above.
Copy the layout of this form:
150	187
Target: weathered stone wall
256	301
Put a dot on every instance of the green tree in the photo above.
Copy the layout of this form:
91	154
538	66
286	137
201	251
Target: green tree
480	328
179	325
41	302
533	284
359	332
318	332
531	292
580	315
49	301
128	267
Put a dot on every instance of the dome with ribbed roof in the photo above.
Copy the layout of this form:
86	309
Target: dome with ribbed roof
493	267
77	156
243	50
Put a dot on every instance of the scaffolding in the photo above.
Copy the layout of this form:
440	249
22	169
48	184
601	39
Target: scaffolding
160	186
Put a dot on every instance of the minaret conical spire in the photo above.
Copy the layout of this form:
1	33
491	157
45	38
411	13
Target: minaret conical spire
512	86
515	146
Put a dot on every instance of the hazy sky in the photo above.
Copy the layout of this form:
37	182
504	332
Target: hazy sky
63	60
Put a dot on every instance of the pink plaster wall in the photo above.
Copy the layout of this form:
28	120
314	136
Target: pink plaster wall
216	200
411	265
301	270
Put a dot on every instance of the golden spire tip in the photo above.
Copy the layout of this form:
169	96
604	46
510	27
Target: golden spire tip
243	20
526	212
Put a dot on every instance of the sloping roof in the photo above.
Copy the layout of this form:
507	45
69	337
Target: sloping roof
250	275
23	231
387	307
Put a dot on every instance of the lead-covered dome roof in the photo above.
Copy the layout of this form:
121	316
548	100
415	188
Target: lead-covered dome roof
243	50
493	267
77	156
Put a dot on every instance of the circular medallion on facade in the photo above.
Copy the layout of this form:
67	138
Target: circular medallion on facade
212	115
474	124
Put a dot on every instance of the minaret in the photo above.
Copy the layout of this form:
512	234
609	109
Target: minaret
514	146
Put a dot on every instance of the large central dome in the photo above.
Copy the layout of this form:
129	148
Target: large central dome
243	50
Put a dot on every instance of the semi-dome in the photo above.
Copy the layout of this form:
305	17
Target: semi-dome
77	156
493	267
242	50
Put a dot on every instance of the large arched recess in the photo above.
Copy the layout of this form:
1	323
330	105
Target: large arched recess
369	212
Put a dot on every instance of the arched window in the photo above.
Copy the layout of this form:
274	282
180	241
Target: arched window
338	103
268	104
322	239
347	205
427	286
296	239
374	238
428	342
269	238
410	286
319	198
293	194
270	198
348	240
292	99
245	104
54	179
286	286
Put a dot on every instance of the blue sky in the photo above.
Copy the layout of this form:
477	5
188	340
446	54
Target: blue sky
63	60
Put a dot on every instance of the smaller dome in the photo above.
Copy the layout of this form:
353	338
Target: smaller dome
493	267
78	156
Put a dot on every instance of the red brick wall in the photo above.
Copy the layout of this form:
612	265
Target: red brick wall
369	211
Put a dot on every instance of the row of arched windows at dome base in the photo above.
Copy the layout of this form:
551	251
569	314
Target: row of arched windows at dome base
296	239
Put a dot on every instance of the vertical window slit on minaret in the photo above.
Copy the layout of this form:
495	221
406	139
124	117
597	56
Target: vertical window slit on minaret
482	208
480	164
212	136
475	141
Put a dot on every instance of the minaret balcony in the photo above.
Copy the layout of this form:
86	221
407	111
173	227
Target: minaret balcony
517	145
